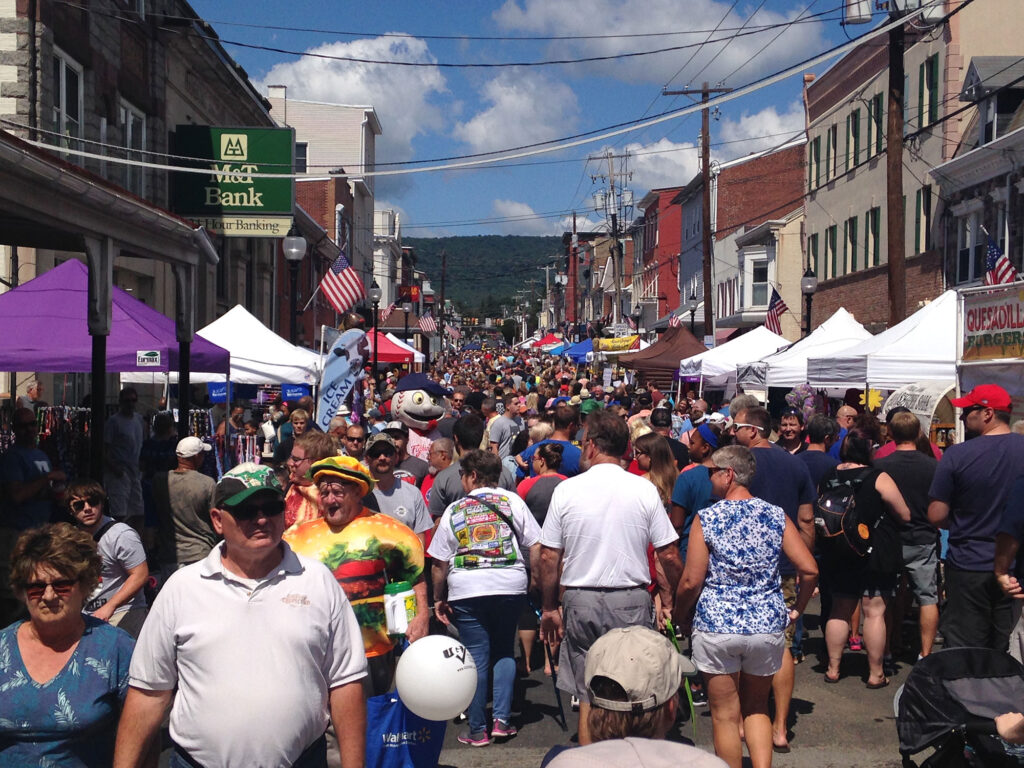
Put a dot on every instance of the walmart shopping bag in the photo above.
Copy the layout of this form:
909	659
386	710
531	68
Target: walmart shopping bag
397	738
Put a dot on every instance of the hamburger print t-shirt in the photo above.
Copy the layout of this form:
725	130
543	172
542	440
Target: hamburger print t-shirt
366	554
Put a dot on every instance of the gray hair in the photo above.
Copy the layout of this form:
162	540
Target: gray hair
742	403
740	460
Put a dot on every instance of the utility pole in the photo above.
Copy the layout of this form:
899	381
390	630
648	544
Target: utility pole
896	215
441	314
705	170
611	206
572	288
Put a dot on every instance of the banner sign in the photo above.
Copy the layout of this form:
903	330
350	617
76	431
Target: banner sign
218	391
231	200
147	358
291	392
620	344
993	324
343	368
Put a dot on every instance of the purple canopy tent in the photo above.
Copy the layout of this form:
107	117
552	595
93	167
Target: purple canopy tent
46	328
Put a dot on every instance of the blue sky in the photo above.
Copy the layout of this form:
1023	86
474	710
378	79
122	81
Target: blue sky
433	111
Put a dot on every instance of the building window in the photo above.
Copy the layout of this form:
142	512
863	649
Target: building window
923	220
759	283
831	254
850	245
831	158
970	248
814	163
872	237
132	123
928	91
301	156
812	253
852	139
67	99
876	131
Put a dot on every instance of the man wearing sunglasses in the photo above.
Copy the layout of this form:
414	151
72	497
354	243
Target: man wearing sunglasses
969	493
261	644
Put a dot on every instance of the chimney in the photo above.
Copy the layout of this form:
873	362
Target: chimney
280	92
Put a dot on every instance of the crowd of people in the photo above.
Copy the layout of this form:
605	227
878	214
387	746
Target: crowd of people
583	520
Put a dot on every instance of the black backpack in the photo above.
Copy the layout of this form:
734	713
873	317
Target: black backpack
839	521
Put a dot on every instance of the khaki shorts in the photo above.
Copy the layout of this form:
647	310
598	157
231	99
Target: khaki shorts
724	654
789	595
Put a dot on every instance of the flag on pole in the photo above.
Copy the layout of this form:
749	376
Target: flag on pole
427	323
998	269
773	319
386	312
631	323
454	332
342	285
675	321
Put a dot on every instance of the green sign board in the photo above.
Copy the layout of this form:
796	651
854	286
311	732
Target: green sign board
231	199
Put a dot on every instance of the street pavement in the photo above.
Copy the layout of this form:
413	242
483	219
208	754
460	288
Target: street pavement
831	726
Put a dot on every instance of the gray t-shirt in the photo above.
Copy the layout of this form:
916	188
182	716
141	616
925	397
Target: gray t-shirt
447	487
186	534
404	502
120	550
503	432
122	436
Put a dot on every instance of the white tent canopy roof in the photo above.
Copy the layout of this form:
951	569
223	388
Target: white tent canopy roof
788	368
258	355
417	356
921	348
718	365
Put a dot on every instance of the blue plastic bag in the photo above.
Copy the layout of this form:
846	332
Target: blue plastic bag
397	738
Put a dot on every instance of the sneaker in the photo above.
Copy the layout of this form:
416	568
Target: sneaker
574	704
700	697
475	739
856	644
503	730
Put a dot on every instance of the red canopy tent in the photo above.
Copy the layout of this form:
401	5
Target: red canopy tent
546	341
388	352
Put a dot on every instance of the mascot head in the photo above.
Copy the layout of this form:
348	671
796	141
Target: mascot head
419	401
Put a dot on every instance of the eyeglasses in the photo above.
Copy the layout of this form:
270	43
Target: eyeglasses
458	402
248	512
351	439
79	504
336	489
60	587
377	454
715	470
297	459
971	409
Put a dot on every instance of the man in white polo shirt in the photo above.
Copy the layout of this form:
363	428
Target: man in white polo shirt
598	527
261	644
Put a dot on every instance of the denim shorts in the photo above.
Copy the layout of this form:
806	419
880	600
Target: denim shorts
724	654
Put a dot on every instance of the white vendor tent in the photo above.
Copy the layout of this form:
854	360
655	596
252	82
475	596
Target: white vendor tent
258	355
788	368
921	348
417	356
718	365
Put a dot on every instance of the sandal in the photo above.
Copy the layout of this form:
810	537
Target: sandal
831	680
875	686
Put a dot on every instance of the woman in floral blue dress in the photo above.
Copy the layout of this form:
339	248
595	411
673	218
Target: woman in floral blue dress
732	574
63	674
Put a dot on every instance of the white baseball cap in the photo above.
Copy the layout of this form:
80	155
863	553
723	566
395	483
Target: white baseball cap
191	446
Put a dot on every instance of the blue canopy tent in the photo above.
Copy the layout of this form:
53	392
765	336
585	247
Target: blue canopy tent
578	352
560	349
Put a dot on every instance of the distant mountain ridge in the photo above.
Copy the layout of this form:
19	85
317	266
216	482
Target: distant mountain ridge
485	271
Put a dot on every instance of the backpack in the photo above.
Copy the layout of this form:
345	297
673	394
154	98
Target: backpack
838	520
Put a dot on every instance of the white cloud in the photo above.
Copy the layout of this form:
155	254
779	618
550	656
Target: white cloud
401	96
621	17
664	163
526	221
758	131
524	108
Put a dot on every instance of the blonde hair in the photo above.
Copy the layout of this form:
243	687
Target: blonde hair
540	431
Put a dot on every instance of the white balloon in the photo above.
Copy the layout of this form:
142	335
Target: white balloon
436	677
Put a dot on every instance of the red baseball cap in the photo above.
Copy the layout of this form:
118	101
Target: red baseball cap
989	395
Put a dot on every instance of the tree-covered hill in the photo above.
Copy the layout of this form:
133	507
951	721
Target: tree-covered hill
486	271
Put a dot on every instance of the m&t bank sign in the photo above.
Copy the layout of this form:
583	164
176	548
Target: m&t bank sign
231	198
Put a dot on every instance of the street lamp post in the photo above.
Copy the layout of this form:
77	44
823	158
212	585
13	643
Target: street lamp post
407	308
808	285
375	294
692	304
637	312
294	248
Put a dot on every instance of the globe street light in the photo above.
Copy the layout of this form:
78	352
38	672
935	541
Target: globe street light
375	294
407	308
808	285
294	248
691	304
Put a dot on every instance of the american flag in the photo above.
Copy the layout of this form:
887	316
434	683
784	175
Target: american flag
427	324
675	321
773	319
630	322
454	332
998	268
386	312
342	285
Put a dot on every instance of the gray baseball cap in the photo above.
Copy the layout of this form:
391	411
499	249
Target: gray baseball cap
643	662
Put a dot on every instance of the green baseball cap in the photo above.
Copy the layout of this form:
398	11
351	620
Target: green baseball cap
243	481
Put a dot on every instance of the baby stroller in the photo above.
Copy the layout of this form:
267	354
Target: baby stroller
949	701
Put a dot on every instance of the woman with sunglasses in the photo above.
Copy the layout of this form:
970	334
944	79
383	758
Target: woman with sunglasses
118	598
732	576
63	673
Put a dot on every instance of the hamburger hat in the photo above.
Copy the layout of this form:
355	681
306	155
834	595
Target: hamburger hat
343	468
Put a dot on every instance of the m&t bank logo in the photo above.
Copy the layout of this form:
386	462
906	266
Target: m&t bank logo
234	146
